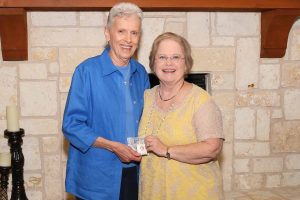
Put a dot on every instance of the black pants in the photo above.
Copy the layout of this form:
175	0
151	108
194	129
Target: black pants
129	184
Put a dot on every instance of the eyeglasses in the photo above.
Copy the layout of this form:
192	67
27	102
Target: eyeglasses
173	58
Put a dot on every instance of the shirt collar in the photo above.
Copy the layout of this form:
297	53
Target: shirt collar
109	67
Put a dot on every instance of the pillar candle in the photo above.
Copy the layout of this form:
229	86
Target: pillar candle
5	159
12	118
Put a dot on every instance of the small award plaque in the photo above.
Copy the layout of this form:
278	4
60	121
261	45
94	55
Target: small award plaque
137	144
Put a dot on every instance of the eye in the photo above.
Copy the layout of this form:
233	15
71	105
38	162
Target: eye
162	57
134	33
175	57
121	31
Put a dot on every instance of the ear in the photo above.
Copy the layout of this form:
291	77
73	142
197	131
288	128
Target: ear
107	34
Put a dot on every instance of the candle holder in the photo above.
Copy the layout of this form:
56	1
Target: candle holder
4	171
17	163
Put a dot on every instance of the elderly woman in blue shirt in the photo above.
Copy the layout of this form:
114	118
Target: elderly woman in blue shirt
103	109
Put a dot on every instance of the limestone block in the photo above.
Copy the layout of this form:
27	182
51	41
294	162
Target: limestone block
38	98
294	43
252	149
270	60
292	104
151	27
273	180
54	68
290	75
285	136
291	179
247	59
263	121
40	126
223	41
224	99
33	71
33	180
63	99
92	19
67	37
222	81
8	88
241	165
198	28
213	59
163	15
248	181
175	27
236	196
225	160
237	23
43	54
50	144
277	114
260	98
53	177
244	125
292	161
64	83
271	164
69	58
34	195
53	18
32	154
263	195
269	77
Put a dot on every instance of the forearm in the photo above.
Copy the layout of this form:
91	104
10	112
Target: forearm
196	153
101	142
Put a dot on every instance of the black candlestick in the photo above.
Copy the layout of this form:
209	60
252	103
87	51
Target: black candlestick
17	163
4	171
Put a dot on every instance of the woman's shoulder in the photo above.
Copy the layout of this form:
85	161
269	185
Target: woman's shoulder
150	92
199	94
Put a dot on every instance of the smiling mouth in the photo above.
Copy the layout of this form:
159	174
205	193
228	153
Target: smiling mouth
168	70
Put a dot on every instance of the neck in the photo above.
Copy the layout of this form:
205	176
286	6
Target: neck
168	91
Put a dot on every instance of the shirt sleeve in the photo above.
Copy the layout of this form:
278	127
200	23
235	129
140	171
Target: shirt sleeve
76	113
207	121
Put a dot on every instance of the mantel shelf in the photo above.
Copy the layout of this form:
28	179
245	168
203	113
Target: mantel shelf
277	18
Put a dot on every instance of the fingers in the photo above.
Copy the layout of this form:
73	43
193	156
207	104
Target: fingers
126	154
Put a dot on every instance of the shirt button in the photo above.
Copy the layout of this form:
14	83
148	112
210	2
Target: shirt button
125	83
134	102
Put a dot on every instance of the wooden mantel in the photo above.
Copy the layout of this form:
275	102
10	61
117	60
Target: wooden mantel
277	18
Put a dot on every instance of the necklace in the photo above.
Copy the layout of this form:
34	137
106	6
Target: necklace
172	96
161	121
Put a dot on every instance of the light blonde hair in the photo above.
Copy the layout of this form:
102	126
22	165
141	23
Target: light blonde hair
187	52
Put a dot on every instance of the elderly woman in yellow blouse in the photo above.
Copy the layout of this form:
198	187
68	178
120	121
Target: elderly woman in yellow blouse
182	127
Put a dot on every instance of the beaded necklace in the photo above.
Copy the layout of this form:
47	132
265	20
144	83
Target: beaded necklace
161	121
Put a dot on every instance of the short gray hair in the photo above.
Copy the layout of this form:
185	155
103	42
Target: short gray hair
123	9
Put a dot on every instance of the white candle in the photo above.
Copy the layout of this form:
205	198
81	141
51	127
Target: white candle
5	159
12	118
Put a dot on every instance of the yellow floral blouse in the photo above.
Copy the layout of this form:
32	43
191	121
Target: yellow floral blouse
196	119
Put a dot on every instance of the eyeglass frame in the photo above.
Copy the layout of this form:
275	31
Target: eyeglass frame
173	59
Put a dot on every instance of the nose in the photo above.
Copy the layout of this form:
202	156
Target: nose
168	60
128	37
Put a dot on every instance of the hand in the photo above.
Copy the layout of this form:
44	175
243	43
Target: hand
125	153
153	144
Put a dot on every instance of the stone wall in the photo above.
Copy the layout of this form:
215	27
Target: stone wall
259	98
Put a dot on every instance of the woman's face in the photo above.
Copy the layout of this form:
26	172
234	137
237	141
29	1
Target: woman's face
169	65
123	36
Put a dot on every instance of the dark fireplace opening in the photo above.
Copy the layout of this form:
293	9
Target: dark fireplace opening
200	79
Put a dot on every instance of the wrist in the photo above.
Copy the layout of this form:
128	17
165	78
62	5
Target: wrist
168	155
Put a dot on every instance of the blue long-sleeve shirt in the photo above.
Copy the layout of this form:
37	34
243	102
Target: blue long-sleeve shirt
96	107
